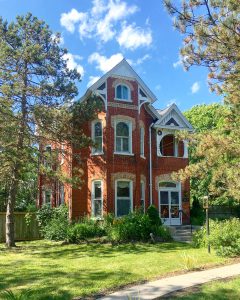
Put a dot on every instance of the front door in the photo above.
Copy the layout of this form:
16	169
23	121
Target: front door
169	206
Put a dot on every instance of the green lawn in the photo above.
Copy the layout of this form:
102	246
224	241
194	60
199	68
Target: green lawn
54	271
216	290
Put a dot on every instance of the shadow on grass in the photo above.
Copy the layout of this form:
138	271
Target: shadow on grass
45	286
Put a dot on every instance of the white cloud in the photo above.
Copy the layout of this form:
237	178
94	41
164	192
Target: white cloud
177	63
133	37
195	87
68	20
100	21
158	87
72	62
105	64
92	80
139	61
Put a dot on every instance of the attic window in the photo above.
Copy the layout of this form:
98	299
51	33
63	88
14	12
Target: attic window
122	92
172	122
102	87
142	93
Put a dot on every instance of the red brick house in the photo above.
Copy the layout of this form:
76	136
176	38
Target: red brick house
135	155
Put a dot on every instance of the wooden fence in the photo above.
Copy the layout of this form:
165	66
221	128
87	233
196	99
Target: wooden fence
24	231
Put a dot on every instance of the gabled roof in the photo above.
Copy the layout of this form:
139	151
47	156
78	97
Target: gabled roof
172	117
122	69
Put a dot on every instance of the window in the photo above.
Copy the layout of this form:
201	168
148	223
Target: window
167	184
123	204
47	196
97	136
97	199
167	145
142	141
61	194
48	156
122	93
142	196
123	137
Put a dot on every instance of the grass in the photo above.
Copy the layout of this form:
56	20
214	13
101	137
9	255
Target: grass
55	271
215	290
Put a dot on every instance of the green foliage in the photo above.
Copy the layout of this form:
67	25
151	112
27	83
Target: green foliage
86	229
153	214
9	295
135	227
197	213
216	146
53	222
224	237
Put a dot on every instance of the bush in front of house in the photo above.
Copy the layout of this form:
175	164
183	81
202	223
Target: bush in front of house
224	237
153	215
84	230
53	222
136	227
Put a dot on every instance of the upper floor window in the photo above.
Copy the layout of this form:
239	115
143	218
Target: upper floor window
123	137
141	141
123	200
61	194
97	136
122	92
97	199
48	156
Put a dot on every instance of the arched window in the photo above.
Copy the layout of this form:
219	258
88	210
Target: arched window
141	141
123	143
97	136
123	198
97	198
168	145
122	92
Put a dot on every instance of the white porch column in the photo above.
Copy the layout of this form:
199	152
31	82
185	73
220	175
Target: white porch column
185	144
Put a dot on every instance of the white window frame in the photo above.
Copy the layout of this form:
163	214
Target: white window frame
93	198
142	194
129	123
131	195
142	140
93	137
61	194
122	99
44	196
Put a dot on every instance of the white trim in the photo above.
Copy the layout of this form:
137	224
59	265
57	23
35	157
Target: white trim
124	153
129	123
131	193
178	188
142	140
143	193
93	136
128	92
93	198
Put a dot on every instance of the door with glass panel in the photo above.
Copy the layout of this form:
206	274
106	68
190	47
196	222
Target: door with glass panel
169	203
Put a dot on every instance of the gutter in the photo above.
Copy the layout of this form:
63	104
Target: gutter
150	163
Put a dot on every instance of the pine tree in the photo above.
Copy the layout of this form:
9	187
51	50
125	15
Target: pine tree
36	90
211	36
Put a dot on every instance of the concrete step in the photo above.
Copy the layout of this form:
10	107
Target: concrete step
183	233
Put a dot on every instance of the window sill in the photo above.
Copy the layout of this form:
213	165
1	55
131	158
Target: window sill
171	156
142	156
124	153
123	100
97	154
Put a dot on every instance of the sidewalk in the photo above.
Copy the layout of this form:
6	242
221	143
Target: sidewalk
155	289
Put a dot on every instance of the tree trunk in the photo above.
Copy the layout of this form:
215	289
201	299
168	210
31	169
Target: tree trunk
10	239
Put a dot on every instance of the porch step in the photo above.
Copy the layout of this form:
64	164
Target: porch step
183	233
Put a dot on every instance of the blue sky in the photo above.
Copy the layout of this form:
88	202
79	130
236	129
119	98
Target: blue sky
99	33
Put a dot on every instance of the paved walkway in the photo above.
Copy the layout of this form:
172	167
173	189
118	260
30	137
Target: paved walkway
153	290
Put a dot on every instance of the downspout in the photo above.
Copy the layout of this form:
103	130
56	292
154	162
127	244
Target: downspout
150	163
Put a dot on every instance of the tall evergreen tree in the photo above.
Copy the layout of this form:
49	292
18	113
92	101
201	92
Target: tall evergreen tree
36	88
211	36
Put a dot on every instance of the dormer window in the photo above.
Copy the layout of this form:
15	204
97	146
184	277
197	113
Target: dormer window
122	92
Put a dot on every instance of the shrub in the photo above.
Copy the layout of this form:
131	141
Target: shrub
224	237
86	229
55	225
164	233
153	215
197	213
136	227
